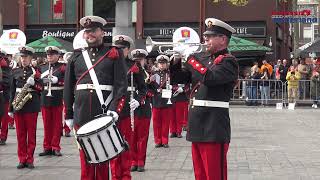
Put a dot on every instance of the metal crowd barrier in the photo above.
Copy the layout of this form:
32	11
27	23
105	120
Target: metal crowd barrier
265	92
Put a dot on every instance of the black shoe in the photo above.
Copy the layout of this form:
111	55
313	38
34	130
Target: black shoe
173	135
2	142
134	168
21	165
11	126
140	169
46	153
166	145
56	153
29	165
67	135
179	136
158	145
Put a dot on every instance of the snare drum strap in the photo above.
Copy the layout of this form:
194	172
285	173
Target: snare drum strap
95	81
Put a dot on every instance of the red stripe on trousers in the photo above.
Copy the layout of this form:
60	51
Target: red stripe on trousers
5	120
161	118
52	123
138	148
179	117
121	165
207	162
26	127
92	171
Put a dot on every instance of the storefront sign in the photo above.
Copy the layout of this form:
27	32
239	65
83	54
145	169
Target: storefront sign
244	31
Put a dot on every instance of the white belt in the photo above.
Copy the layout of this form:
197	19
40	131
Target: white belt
131	88
54	88
206	103
19	90
181	85
91	86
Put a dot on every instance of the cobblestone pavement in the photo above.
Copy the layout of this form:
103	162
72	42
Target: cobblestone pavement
267	144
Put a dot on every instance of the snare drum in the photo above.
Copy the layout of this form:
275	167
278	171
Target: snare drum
100	139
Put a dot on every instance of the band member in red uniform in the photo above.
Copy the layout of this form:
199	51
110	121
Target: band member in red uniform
180	80
5	88
66	129
209	121
25	88
138	147
81	101
162	112
51	101
120	166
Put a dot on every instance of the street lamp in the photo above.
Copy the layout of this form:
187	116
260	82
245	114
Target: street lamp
270	42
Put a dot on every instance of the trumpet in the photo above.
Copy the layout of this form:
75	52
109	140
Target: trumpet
185	41
49	83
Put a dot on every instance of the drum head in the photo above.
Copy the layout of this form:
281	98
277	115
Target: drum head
94	125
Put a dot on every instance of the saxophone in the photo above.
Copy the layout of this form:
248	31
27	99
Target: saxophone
22	97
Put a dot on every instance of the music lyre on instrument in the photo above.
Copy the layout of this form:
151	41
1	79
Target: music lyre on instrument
49	77
131	98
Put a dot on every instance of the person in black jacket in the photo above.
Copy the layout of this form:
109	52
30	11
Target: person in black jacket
215	76
26	117
81	101
51	101
5	93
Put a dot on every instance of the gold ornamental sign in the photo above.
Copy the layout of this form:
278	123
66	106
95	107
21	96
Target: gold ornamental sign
234	2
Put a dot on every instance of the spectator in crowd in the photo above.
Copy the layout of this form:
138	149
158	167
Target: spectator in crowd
315	88
252	85
293	77
276	69
265	87
295	63
283	69
303	84
265	64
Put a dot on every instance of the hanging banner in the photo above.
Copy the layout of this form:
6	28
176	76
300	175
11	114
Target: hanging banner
57	9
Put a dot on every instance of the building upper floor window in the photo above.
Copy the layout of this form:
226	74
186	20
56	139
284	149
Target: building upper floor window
52	11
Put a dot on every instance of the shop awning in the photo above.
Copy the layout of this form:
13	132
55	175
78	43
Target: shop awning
241	45
40	44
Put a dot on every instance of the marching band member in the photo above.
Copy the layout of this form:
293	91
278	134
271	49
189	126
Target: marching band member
51	101
209	121
161	108
24	108
180	80
138	147
81	101
5	88
120	166
12	64
66	129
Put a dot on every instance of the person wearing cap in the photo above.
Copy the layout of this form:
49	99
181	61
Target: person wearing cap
215	74
26	118
82	104
180	80
5	93
12	64
162	112
138	146
51	103
120	166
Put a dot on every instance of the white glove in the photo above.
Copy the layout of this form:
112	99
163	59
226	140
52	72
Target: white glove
54	79
113	114
30	81
155	78
134	104
179	90
69	123
10	114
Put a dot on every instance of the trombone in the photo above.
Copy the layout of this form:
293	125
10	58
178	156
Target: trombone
49	83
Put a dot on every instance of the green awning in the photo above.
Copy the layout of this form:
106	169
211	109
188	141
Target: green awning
40	44
238	44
